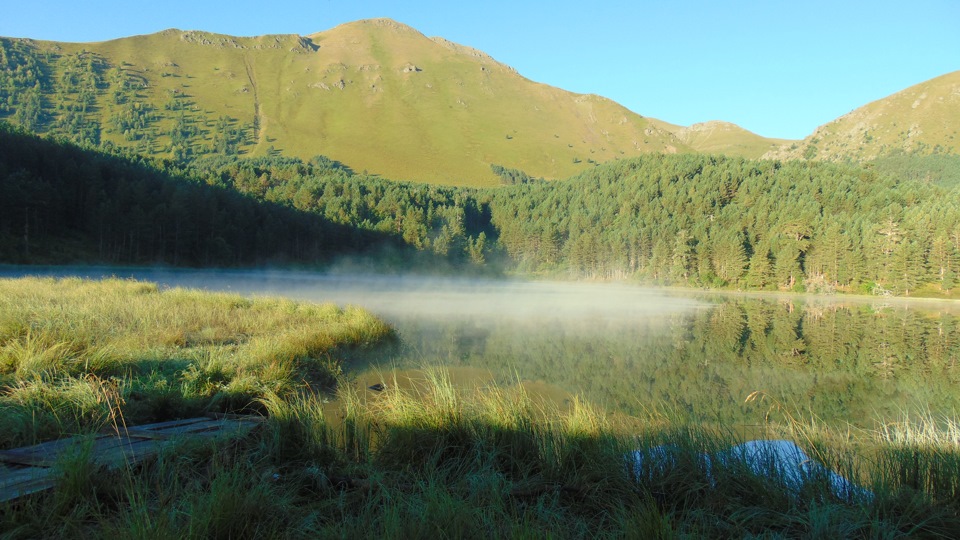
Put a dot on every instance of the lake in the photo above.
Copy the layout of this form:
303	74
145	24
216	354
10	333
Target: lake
638	351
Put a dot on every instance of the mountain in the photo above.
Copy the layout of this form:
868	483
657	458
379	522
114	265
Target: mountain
375	95
718	137
921	120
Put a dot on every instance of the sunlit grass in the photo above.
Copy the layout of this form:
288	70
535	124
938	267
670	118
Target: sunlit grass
168	353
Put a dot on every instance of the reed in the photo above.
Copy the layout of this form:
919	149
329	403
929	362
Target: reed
434	459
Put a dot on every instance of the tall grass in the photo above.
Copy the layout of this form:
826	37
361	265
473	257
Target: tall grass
169	353
433	460
921	456
427	459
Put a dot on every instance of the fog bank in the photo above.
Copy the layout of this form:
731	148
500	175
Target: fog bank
394	297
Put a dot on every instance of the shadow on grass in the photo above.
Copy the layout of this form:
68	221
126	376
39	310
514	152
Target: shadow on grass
455	470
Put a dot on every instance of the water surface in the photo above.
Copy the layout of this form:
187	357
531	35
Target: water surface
640	351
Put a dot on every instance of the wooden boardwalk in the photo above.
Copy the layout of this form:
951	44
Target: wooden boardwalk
31	469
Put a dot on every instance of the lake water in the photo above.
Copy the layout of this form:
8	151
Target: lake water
640	351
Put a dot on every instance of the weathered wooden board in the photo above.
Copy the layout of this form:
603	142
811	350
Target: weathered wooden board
31	469
24	481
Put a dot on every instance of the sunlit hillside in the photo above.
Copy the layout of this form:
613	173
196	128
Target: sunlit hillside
718	137
375	95
923	119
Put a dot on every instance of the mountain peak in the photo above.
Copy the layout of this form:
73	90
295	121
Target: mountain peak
374	94
717	136
379	23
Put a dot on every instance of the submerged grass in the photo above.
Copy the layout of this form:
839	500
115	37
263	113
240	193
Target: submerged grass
423	460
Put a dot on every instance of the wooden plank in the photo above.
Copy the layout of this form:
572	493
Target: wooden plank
44	449
132	451
40	458
131	446
161	425
225	432
16	483
46	454
129	454
242	417
207	424
7	456
163	430
137	451
139	433
199	427
212	426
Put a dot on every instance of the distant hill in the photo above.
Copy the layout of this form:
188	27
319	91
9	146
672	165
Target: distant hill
375	95
717	137
922	120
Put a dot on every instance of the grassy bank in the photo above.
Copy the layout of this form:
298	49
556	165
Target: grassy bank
76	355
420	461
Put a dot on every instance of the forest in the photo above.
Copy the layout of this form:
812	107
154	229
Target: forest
60	203
691	220
715	221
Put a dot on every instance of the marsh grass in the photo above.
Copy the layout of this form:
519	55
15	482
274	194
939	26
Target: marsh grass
434	460
424	460
166	353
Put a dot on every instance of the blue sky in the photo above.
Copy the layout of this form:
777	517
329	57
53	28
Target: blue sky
777	68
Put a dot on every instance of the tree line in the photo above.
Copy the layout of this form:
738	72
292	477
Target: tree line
669	219
82	97
716	221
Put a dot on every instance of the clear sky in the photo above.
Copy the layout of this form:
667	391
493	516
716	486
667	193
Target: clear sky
778	68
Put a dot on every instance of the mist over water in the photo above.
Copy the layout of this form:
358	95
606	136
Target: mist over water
401	297
634	350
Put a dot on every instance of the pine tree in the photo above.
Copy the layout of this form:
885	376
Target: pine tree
760	273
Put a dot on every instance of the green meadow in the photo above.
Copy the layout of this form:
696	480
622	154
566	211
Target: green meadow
77	355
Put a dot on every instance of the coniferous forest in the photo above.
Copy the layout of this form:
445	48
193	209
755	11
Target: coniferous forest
60	203
667	219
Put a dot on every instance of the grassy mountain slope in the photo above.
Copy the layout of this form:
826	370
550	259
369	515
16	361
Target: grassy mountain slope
921	120
376	95
717	137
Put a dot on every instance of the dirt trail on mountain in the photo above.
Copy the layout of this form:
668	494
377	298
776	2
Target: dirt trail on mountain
259	121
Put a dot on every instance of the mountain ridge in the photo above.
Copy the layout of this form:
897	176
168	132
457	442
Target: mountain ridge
375	94
922	119
380	96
